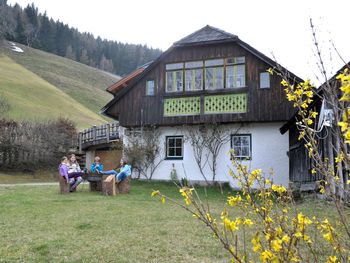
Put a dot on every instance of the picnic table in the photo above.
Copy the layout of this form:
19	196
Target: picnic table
96	184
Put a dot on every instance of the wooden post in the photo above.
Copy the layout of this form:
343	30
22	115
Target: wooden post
108	128
94	134
80	141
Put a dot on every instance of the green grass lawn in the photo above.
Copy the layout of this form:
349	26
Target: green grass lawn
41	176
37	224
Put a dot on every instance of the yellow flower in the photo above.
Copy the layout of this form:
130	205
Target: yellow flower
322	190
348	182
314	114
234	200
162	199
270	71
256	243
154	193
298	234
284	83
285	239
279	188
304	105
332	259
276	245
343	126
313	171
266	255
328	236
248	222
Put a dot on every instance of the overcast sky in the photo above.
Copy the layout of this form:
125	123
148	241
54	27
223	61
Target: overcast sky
276	26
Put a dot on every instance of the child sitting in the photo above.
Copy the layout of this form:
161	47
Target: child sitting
96	166
74	173
125	171
63	168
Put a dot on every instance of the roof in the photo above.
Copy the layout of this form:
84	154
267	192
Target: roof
122	83
207	34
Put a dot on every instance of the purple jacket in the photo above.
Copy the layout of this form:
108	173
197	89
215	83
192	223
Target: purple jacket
63	169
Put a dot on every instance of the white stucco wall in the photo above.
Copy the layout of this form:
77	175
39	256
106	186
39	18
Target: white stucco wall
269	151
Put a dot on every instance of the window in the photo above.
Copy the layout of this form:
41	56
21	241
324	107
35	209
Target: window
214	74
150	88
214	78
174	147
235	72
241	145
193	79
174	81
194	75
264	80
174	77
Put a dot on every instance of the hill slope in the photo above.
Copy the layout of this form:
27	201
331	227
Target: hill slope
32	97
83	83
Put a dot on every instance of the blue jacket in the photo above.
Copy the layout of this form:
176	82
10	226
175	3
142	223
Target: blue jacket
126	169
95	167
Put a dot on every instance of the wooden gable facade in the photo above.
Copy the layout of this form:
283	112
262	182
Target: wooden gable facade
214	102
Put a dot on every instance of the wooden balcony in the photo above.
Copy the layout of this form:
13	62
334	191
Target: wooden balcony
208	104
98	135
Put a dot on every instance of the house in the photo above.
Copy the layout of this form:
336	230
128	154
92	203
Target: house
326	133
209	80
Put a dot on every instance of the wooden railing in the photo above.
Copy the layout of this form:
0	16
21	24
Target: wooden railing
98	135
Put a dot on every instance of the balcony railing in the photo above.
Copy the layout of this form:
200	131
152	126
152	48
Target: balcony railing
98	135
212	104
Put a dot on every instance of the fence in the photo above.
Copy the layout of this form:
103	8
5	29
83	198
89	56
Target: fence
98	135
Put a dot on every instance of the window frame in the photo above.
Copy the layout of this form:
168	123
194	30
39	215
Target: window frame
250	145
173	72
154	87
234	64
268	74
232	61
167	157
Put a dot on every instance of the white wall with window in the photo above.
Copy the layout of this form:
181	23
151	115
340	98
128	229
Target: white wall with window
263	142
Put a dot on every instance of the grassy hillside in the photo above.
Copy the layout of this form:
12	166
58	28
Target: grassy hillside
32	97
82	83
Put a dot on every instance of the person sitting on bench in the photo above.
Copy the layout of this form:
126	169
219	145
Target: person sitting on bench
125	171
74	173
96	166
63	168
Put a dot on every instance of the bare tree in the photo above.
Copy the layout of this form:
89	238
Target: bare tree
207	141
144	151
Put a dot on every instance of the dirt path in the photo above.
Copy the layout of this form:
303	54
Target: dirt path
33	184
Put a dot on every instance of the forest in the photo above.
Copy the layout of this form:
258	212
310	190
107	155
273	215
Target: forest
30	27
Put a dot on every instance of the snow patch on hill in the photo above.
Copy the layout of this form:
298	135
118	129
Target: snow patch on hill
15	48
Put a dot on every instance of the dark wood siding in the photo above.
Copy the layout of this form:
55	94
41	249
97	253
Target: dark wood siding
135	108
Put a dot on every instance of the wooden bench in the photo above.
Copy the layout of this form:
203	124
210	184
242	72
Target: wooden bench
64	186
124	186
110	187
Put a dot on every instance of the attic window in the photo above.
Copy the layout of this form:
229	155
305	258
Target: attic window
264	80
194	75
150	87
214	74
235	72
